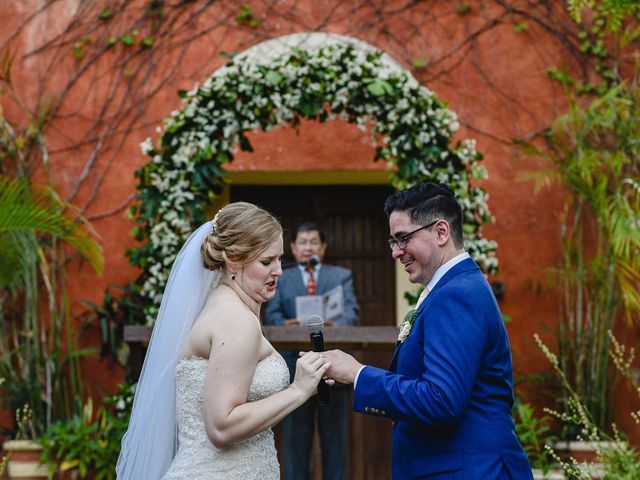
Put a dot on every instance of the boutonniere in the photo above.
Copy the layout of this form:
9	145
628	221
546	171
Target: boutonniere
407	324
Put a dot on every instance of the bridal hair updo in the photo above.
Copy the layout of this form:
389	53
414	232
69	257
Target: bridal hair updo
240	232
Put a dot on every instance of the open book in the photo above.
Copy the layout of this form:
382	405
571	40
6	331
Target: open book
328	305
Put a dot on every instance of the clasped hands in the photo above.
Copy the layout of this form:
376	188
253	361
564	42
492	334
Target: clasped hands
343	367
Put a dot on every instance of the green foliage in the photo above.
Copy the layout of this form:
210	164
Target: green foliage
78	51
614	12
246	17
39	354
606	37
464	8
27	209
40	372
23	418
592	152
89	442
127	39
119	308
534	435
616	456
621	462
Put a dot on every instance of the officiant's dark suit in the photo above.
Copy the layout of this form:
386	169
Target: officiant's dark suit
298	428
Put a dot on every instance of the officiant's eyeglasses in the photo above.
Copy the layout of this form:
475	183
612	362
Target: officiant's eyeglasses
401	241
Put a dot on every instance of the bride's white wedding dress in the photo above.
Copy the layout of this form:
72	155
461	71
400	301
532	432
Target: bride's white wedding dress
197	458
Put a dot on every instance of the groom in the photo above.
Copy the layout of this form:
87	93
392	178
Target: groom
449	389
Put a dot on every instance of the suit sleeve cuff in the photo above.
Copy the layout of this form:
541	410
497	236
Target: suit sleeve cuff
355	381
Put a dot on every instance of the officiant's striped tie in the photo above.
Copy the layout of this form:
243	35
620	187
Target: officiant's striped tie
311	282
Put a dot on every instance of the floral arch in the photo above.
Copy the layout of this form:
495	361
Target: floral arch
303	76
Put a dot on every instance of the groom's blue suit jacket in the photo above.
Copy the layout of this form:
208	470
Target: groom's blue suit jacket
450	388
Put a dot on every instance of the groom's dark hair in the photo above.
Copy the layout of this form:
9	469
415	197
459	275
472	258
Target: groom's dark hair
427	202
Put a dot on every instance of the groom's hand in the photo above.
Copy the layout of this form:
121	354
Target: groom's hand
344	367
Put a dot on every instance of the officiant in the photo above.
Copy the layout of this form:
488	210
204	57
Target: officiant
311	277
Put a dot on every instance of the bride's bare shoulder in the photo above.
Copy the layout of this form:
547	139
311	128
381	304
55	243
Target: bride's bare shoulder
224	318
224	309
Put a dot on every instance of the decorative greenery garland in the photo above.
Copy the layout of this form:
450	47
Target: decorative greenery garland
411	128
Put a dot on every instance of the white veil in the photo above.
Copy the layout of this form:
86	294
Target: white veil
149	445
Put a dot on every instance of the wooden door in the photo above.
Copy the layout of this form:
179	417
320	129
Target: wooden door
353	220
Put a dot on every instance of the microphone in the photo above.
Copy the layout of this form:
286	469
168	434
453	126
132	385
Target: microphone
312	262
315	325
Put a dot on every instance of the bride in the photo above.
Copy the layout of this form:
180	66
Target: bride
212	386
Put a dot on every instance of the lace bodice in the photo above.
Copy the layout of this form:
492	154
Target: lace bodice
197	458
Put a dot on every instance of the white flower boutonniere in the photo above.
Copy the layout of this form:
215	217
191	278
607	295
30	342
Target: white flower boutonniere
407	324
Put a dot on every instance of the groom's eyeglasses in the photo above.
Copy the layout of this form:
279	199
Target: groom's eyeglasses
401	241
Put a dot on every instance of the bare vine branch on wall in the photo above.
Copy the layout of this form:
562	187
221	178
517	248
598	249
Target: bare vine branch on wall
107	64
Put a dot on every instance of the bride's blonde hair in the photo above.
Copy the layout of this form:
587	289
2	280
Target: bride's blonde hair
240	232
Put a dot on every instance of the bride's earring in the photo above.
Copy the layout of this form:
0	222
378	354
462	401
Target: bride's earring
233	276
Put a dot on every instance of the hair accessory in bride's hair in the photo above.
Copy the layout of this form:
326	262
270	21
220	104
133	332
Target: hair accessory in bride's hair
214	223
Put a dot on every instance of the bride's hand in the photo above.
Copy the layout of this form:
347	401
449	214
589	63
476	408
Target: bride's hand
310	369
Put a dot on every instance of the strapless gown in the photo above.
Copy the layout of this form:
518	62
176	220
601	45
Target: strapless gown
197	459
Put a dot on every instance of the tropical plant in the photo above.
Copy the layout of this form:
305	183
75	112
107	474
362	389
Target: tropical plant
534	434
23	417
616	457
89	442
38	349
593	153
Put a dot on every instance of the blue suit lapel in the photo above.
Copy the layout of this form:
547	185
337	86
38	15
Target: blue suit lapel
463	266
394	359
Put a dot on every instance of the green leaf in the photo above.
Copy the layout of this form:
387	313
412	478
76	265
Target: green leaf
223	157
380	88
273	77
246	17
309	107
519	27
24	209
468	228
78	51
147	42
464	8
245	145
126	39
105	14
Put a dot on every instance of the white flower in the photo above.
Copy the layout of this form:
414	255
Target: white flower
146	146
404	331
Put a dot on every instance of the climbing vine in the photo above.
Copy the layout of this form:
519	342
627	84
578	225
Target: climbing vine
409	126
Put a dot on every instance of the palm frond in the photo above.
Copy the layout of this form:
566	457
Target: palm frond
41	211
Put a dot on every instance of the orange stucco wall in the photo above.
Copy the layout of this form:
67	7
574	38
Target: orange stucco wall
496	83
